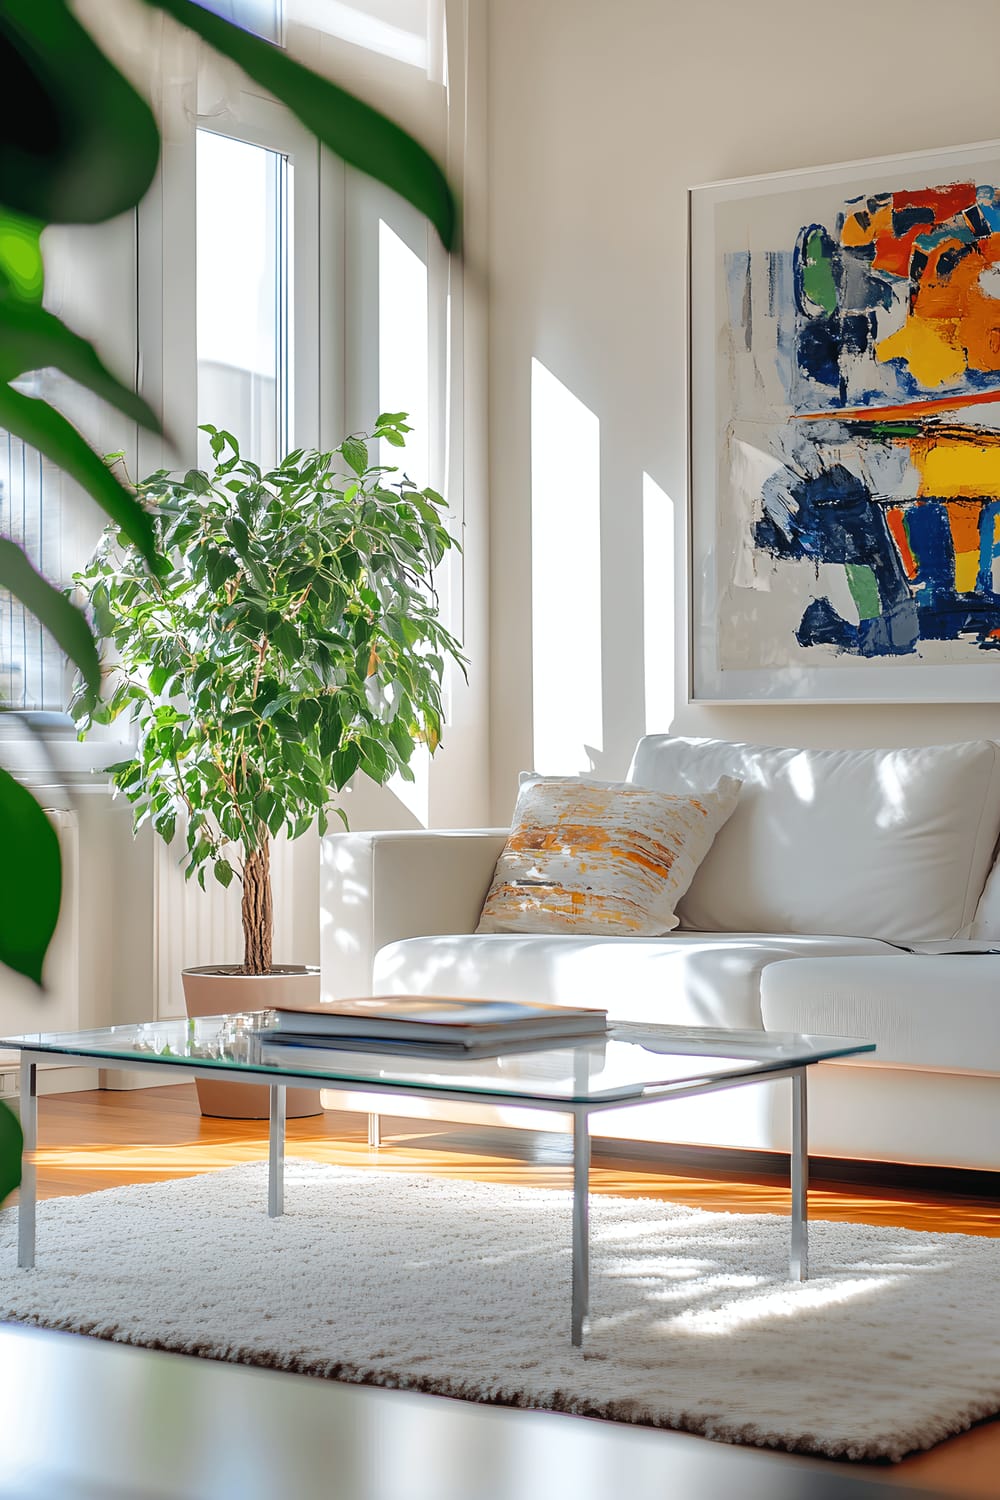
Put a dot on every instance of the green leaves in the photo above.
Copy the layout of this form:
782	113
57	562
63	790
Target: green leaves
359	134
22	274
291	641
32	339
64	622
356	454
43	172
30	880
43	428
78	144
11	1145
344	763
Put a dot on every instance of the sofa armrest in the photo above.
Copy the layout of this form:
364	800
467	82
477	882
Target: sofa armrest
377	888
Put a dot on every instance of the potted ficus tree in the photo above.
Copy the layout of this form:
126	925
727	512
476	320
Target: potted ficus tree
292	639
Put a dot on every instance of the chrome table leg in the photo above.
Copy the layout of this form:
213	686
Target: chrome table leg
581	1224
799	1258
374	1132
26	1197
276	1153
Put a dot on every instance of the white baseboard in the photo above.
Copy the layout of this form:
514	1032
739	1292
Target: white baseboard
52	1079
135	1078
56	1080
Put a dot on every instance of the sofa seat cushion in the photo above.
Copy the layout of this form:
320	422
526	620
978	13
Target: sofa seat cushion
940	1012
685	978
891	844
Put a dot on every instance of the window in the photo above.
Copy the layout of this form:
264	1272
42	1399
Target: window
32	669
45	513
265	17
243	354
262	287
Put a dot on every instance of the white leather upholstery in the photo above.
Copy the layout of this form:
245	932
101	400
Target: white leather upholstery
694	979
888	1114
889	844
886	844
941	1013
377	887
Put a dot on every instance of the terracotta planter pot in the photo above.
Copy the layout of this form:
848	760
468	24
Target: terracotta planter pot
218	990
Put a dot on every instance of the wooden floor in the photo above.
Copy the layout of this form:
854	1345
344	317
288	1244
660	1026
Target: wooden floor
89	1141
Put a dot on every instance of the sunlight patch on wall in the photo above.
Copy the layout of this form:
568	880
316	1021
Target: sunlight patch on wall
658	606
565	576
402	348
403	365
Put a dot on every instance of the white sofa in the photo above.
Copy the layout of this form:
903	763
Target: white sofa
794	922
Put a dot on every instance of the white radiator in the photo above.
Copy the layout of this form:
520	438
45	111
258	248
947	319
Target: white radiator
193	926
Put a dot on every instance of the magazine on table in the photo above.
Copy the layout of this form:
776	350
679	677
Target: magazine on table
315	1052
434	1020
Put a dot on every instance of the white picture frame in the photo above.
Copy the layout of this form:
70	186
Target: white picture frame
760	629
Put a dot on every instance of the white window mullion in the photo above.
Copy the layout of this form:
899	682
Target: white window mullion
331	281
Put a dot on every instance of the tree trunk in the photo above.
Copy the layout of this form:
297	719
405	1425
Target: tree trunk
258	917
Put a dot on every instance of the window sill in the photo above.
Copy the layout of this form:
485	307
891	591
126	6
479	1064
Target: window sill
44	761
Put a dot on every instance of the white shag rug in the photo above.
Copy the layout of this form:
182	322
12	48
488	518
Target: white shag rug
464	1289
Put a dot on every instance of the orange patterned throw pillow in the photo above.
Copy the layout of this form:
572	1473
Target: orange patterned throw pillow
598	857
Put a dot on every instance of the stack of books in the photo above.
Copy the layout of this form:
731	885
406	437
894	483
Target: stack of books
433	1026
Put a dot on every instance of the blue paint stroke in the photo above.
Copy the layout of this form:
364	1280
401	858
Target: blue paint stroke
835	519
989	547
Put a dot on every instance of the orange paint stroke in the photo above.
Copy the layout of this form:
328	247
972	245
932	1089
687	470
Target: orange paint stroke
953	324
897	528
908	409
892	251
944	201
876	225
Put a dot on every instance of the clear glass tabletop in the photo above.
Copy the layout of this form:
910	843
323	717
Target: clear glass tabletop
631	1063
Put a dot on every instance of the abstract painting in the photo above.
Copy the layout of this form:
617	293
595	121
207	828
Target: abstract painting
845	379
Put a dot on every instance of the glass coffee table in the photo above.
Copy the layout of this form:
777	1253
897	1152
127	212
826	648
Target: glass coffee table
632	1065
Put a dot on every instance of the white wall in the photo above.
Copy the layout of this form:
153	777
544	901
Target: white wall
601	117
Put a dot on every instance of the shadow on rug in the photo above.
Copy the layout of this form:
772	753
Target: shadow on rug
463	1289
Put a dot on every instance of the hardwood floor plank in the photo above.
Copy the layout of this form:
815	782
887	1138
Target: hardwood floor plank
103	1139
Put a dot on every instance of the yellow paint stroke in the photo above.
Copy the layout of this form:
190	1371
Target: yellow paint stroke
953	469
953	324
931	350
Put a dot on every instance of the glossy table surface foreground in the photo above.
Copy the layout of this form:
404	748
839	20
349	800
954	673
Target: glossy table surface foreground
82	1419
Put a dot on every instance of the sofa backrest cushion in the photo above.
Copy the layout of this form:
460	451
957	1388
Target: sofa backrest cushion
893	844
